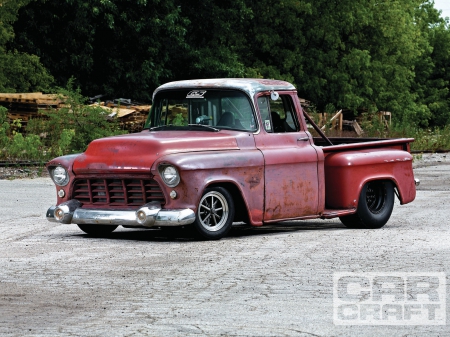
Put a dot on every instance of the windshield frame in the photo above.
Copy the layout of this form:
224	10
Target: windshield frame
239	94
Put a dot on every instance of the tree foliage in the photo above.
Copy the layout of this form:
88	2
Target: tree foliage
342	54
389	55
121	47
18	71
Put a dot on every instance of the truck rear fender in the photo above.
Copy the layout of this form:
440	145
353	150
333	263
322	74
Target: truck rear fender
347	172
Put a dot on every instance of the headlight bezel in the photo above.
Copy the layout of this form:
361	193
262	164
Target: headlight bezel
57	171
169	175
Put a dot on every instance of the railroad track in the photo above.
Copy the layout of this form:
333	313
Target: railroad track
21	163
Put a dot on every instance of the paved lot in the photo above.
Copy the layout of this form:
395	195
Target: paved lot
273	281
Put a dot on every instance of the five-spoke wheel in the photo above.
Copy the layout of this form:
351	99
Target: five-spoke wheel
215	213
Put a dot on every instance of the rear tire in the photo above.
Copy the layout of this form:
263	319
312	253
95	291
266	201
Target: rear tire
97	230
375	206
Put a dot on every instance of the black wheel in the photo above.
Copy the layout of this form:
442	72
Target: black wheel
215	213
97	230
375	206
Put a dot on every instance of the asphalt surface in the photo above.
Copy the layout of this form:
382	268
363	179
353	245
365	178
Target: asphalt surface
272	281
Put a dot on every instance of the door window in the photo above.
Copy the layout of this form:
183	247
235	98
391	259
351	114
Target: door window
278	116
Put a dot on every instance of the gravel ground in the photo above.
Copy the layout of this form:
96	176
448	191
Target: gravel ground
22	172
271	281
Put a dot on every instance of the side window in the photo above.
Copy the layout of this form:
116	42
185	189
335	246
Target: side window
278	116
264	109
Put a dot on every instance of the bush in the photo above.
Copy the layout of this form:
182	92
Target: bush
25	148
4	127
67	130
71	128
429	139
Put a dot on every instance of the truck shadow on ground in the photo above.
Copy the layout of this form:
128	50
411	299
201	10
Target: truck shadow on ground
237	231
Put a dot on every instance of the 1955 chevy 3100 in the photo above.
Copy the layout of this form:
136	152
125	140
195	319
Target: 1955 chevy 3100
219	151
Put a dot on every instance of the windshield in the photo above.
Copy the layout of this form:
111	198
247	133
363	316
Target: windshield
221	109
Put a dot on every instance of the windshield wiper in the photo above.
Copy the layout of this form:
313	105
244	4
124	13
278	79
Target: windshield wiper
160	127
209	128
183	127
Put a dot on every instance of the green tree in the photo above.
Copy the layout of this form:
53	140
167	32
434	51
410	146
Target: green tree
215	38
390	55
18	71
432	70
112	47
340	54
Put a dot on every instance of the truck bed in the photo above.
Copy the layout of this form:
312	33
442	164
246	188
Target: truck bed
351	162
346	144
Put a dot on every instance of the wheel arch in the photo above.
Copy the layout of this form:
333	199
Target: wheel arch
241	207
400	190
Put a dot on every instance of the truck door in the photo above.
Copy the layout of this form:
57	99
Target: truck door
291	181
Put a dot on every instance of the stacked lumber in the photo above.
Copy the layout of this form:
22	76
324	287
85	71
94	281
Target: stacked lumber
29	102
131	117
24	106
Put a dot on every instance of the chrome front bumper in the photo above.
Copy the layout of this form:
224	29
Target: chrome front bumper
149	215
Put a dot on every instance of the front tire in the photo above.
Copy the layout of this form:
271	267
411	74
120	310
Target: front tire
215	213
97	230
375	206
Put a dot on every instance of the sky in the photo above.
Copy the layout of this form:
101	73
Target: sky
444	6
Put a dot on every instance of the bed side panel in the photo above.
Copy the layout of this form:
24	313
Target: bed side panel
347	172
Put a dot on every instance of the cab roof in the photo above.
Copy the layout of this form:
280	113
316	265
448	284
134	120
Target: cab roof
249	85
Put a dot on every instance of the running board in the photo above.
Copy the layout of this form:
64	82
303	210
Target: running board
334	213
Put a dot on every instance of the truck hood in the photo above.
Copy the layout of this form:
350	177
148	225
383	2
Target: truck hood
137	152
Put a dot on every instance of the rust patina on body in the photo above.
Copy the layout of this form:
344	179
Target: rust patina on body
219	151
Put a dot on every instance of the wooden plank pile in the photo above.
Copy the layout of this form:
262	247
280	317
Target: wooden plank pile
24	106
131	117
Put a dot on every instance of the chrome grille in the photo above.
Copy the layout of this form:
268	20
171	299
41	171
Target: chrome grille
119	192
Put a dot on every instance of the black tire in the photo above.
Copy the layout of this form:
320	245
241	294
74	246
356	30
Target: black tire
215	213
375	206
97	230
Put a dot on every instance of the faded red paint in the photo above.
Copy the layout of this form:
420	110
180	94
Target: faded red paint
135	153
279	176
347	172
291	175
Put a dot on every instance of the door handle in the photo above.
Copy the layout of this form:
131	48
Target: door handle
305	139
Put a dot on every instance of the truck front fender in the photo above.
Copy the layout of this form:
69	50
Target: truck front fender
242	168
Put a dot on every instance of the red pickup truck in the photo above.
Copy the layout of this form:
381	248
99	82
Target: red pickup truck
218	151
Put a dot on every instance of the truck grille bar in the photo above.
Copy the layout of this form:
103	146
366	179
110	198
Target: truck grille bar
117	192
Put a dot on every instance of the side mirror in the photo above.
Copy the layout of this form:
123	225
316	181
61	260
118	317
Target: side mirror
274	95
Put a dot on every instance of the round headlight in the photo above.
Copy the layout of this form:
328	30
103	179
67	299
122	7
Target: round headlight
170	176
60	176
